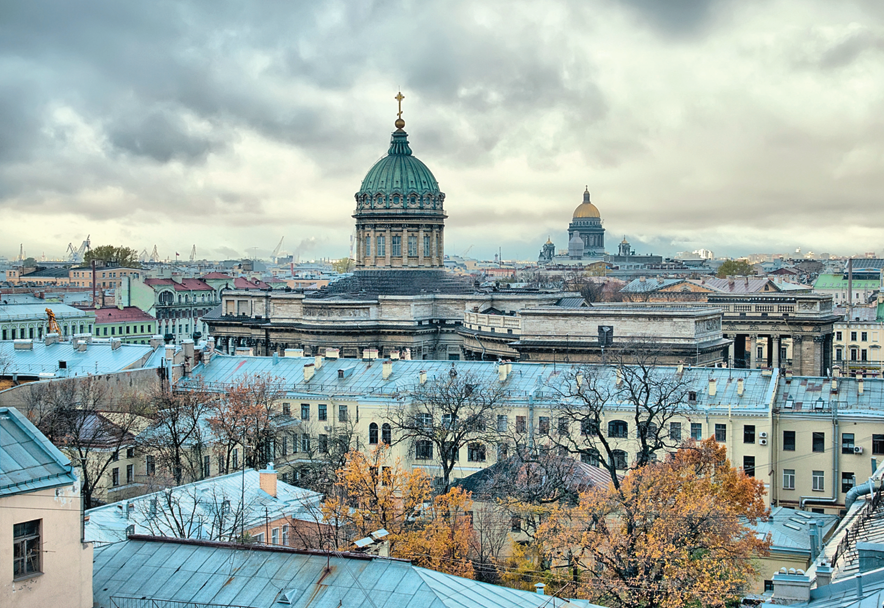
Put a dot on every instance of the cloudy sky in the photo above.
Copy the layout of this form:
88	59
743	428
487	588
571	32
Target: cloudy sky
735	125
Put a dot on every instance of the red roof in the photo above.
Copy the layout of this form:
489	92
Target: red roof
243	283
184	285
104	316
216	275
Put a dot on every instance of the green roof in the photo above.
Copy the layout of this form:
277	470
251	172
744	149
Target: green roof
399	171
839	281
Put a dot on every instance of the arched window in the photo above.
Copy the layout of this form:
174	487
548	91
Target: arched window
618	428
373	433
620	459
386	434
590	457
650	430
166	298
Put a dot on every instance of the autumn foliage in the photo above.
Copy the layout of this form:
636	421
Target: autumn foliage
674	534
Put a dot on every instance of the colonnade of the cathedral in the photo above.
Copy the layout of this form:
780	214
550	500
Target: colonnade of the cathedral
393	246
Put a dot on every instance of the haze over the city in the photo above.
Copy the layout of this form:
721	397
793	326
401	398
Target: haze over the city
738	126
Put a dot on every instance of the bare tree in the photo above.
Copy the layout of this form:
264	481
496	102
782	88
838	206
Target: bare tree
444	415
634	386
73	415
491	524
323	452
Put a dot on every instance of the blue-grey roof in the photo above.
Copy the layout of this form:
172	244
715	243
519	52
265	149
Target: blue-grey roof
642	285
196	508
98	358
37	312
843	594
257	577
789	529
813	395
360	381
28	461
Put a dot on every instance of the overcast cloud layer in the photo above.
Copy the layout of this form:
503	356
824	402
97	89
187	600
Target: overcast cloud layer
735	125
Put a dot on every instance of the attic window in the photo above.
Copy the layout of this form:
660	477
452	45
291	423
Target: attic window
692	396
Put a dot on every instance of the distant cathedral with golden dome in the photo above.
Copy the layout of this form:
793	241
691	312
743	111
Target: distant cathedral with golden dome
586	238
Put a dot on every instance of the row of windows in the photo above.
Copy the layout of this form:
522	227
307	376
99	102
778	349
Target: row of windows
818	479
321	412
130	329
28	333
856	354
863	336
396	246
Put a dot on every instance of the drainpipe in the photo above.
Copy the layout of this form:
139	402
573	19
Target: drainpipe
834	499
531	421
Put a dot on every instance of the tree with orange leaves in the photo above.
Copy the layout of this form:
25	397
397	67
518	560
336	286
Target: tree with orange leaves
673	534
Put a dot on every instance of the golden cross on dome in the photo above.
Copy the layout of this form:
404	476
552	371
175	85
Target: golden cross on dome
399	97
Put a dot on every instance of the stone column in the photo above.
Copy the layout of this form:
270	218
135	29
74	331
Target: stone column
388	246
420	246
405	246
433	242
775	345
730	352
373	245
797	359
753	360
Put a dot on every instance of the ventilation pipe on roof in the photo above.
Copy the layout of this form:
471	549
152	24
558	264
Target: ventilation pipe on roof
859	384
116	343
680	369
836	371
189	354
711	387
332	353
51	339
387	369
739	387
422	376
275	358
156	341
309	370
394	355
317	361
540	587
501	371
23	344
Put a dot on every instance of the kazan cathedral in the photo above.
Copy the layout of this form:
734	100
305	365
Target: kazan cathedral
399	301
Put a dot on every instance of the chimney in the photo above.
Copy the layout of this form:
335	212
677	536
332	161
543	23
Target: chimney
406	354
332	353
23	345
619	377
501	371
680	369
422	376
275	358
739	387
539	587
292	352
309	370
859	385
387	370
791	587
267	479
394	355
317	361
369	354
579	380
170	352
81	346
823	575
156	341
711	387
834	385
210	344
836	371
189	352
51	339
788	376
116	343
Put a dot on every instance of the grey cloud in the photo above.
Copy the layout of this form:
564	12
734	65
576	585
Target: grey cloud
163	136
846	51
674	17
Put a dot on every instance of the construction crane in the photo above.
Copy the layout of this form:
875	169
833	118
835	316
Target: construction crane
53	324
76	255
275	254
154	256
466	251
144	257
193	254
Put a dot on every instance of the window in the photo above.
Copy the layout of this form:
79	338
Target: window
130	452
382	245
590	457
259	538
543	425
838	335
274	536
620	459
618	428
675	431
697	431
819	442
521	424
151	464
426	245
819	481
563	426
323	443
515	524
285	535
323	411
285	446
848	480
115	457
788	441
342	413
130	473
305	442
449	421
692	396
863	355
476	452
368	245
501	423
115	476
287	409
721	433
768	586
397	245
877	444
423	450
424	421
847	443
373	433
864	336
788	479
412	246
749	465
853	354
386	434
853	336
26	549
759	352
235	459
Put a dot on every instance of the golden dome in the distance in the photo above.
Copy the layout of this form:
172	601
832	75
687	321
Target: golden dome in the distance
586	208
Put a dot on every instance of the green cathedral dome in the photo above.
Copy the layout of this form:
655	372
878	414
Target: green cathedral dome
399	172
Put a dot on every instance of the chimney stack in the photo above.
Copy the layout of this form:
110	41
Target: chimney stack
394	355
267	479
501	371
156	341
836	371
51	339
309	370
317	361
387	370
332	353
711	387
739	387
422	376
189	353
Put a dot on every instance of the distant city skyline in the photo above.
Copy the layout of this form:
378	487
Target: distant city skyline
740	127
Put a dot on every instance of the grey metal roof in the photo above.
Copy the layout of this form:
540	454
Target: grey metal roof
37	312
809	395
258	577
28	461
199	502
98	358
789	529
360	381
843	594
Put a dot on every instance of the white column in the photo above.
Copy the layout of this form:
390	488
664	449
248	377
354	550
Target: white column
420	247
